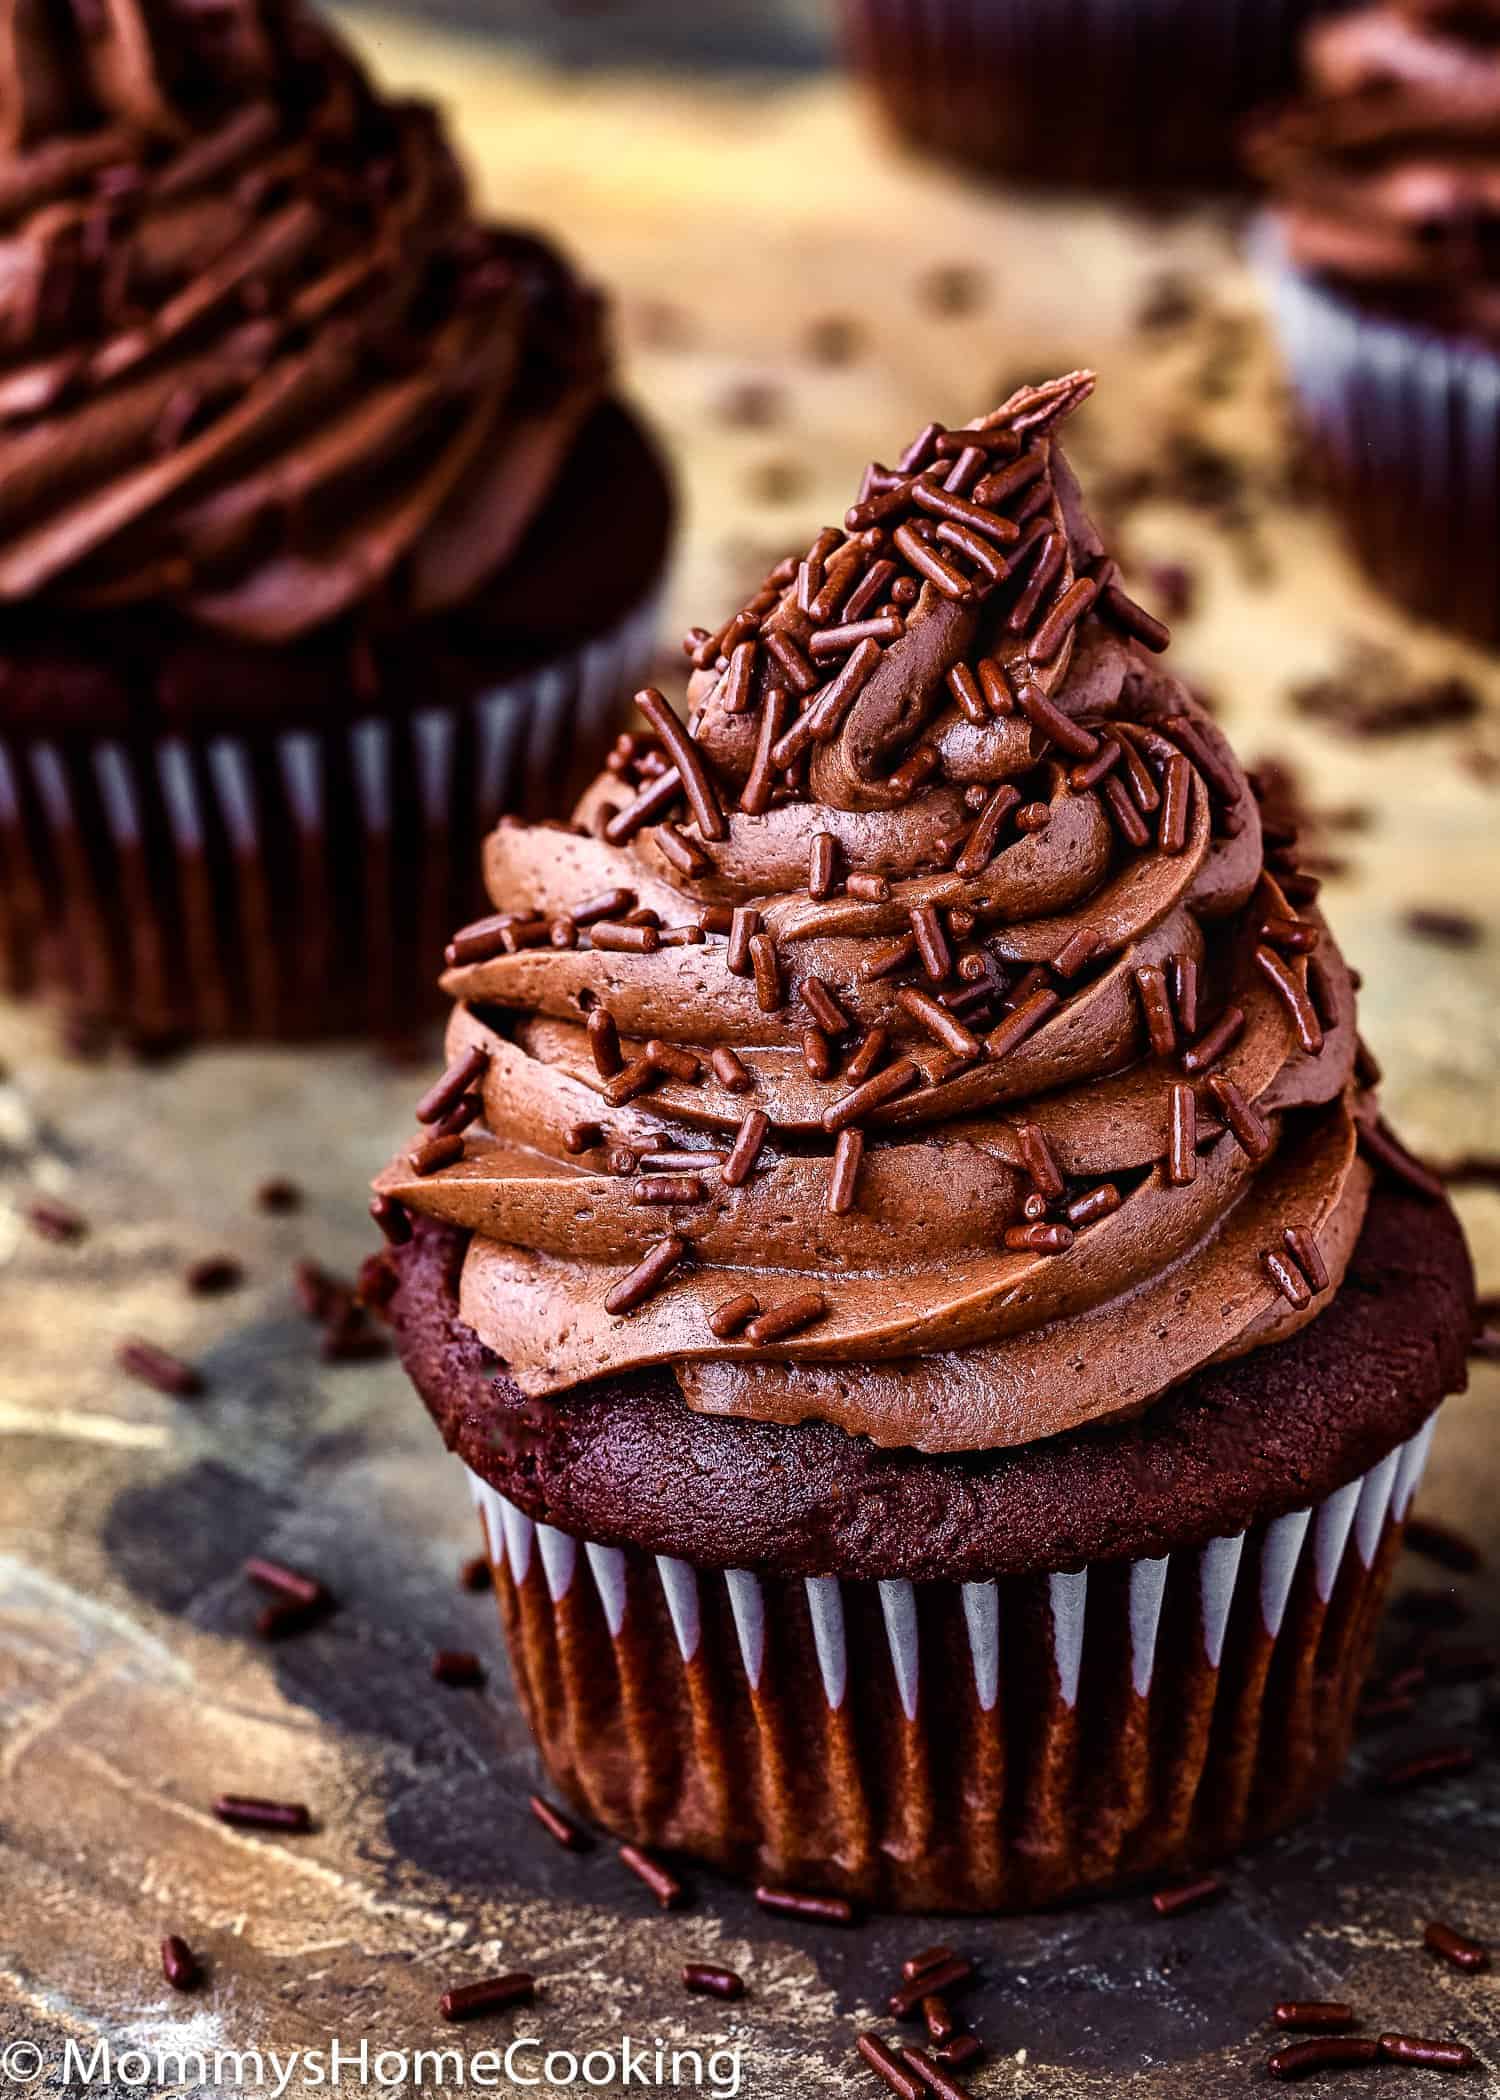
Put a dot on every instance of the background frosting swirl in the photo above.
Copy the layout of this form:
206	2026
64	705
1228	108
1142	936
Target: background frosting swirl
1386	172
257	361
1006	913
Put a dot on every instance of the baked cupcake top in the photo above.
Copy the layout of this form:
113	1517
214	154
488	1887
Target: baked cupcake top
1386	172
258	363
927	1038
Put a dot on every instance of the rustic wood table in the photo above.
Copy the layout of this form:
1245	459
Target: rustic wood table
792	294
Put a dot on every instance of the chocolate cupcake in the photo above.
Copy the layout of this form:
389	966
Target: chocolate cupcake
301	468
906	1249
1140	95
1382	250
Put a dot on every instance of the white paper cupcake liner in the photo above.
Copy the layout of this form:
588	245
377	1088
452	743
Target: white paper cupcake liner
296	882
1404	427
953	1745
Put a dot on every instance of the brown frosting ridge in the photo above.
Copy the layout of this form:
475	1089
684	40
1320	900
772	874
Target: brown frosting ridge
1023	1248
258	363
1386	172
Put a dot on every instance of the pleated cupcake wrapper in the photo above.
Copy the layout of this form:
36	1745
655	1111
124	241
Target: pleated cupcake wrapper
1128	93
293	882
1404	427
978	1745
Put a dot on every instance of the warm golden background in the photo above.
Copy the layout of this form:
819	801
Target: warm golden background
792	294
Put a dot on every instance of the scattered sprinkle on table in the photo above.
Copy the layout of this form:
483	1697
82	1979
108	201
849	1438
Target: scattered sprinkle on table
52	1220
1334	2052
1187	1895
1314	2015
816	1910
570	1835
249	1812
279	1195
468	2001
1455	1946
664	1886
457	1666
159	1369
213	1274
710	1981
179	1964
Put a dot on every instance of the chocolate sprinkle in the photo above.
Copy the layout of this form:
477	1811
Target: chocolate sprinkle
160	1369
948	1976
728	1319
393	1218
730	1071
1455	1947
688	762
1214	1042
179	1964
1187	1895
445	1094
1444	1761
888	2068
767	970
711	1981
497	1994
934	2077
812	1909
248	1812
664	1886
778	1322
647	1277
1431	2055
559	1827
435	1154
1315	2015
212	1274
1326	2053
745	1150
457	1666
51	1220
843	1177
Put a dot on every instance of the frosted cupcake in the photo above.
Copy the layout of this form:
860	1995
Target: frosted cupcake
1107	94
905	1247
300	467
1382	248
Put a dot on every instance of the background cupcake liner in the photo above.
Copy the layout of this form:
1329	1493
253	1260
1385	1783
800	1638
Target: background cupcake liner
1404	428
1138	93
953	1746
285	882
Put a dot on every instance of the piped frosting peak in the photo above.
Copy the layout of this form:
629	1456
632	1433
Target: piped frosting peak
925	1035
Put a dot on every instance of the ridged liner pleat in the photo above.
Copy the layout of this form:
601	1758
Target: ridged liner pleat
947	1746
298	882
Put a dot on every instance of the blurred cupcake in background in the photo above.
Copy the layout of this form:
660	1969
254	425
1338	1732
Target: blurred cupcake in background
1382	249
301	469
1129	94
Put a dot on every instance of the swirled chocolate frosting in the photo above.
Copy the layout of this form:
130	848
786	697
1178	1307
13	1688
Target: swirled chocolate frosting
1386	173
929	1036
258	363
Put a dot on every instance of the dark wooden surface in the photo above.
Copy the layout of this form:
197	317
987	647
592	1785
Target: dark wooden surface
738	226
